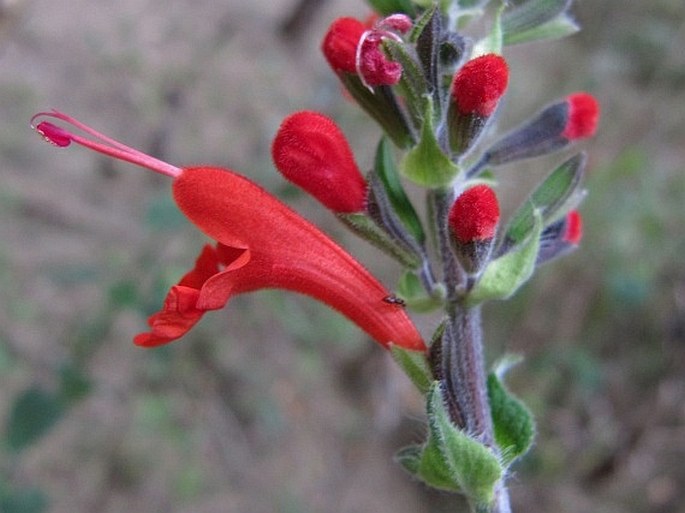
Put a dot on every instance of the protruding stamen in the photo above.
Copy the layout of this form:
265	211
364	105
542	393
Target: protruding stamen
100	143
53	134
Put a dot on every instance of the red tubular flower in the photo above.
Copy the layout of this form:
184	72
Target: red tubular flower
262	243
479	84
583	116
311	151
475	214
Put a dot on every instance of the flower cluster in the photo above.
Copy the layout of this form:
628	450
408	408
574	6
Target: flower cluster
435	94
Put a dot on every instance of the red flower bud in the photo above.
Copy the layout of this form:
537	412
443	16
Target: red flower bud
340	44
312	152
574	227
478	86
583	116
474	215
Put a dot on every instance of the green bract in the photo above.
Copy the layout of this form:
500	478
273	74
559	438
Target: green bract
504	275
473	467
513	422
414	365
553	198
425	163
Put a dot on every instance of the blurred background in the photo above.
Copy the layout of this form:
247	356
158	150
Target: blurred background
276	404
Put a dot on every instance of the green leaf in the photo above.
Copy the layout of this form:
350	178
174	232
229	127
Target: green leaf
549	198
434	469
410	289
425	163
427	464
561	26
530	14
504	275
33	413
472	465
415	366
385	168
513	422
388	7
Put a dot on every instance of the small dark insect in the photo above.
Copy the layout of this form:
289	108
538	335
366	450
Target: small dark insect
392	299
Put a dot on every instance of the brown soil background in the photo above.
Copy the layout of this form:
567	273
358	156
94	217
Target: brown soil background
276	404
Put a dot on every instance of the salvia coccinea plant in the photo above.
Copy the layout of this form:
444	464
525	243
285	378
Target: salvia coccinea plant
435	94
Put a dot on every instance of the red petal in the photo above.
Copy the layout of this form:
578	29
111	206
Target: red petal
284	251
184	305
178	315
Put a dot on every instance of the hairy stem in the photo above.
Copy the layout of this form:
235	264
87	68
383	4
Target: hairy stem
457	359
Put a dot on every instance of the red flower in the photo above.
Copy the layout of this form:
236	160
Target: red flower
262	243
478	86
311	151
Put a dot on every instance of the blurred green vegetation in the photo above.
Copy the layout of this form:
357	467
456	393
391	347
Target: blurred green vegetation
278	404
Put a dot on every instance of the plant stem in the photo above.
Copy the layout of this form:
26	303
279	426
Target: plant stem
465	372
457	359
439	203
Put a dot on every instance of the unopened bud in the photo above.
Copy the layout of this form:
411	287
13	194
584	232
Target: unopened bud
551	129
312	152
340	44
473	222
561	237
476	91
